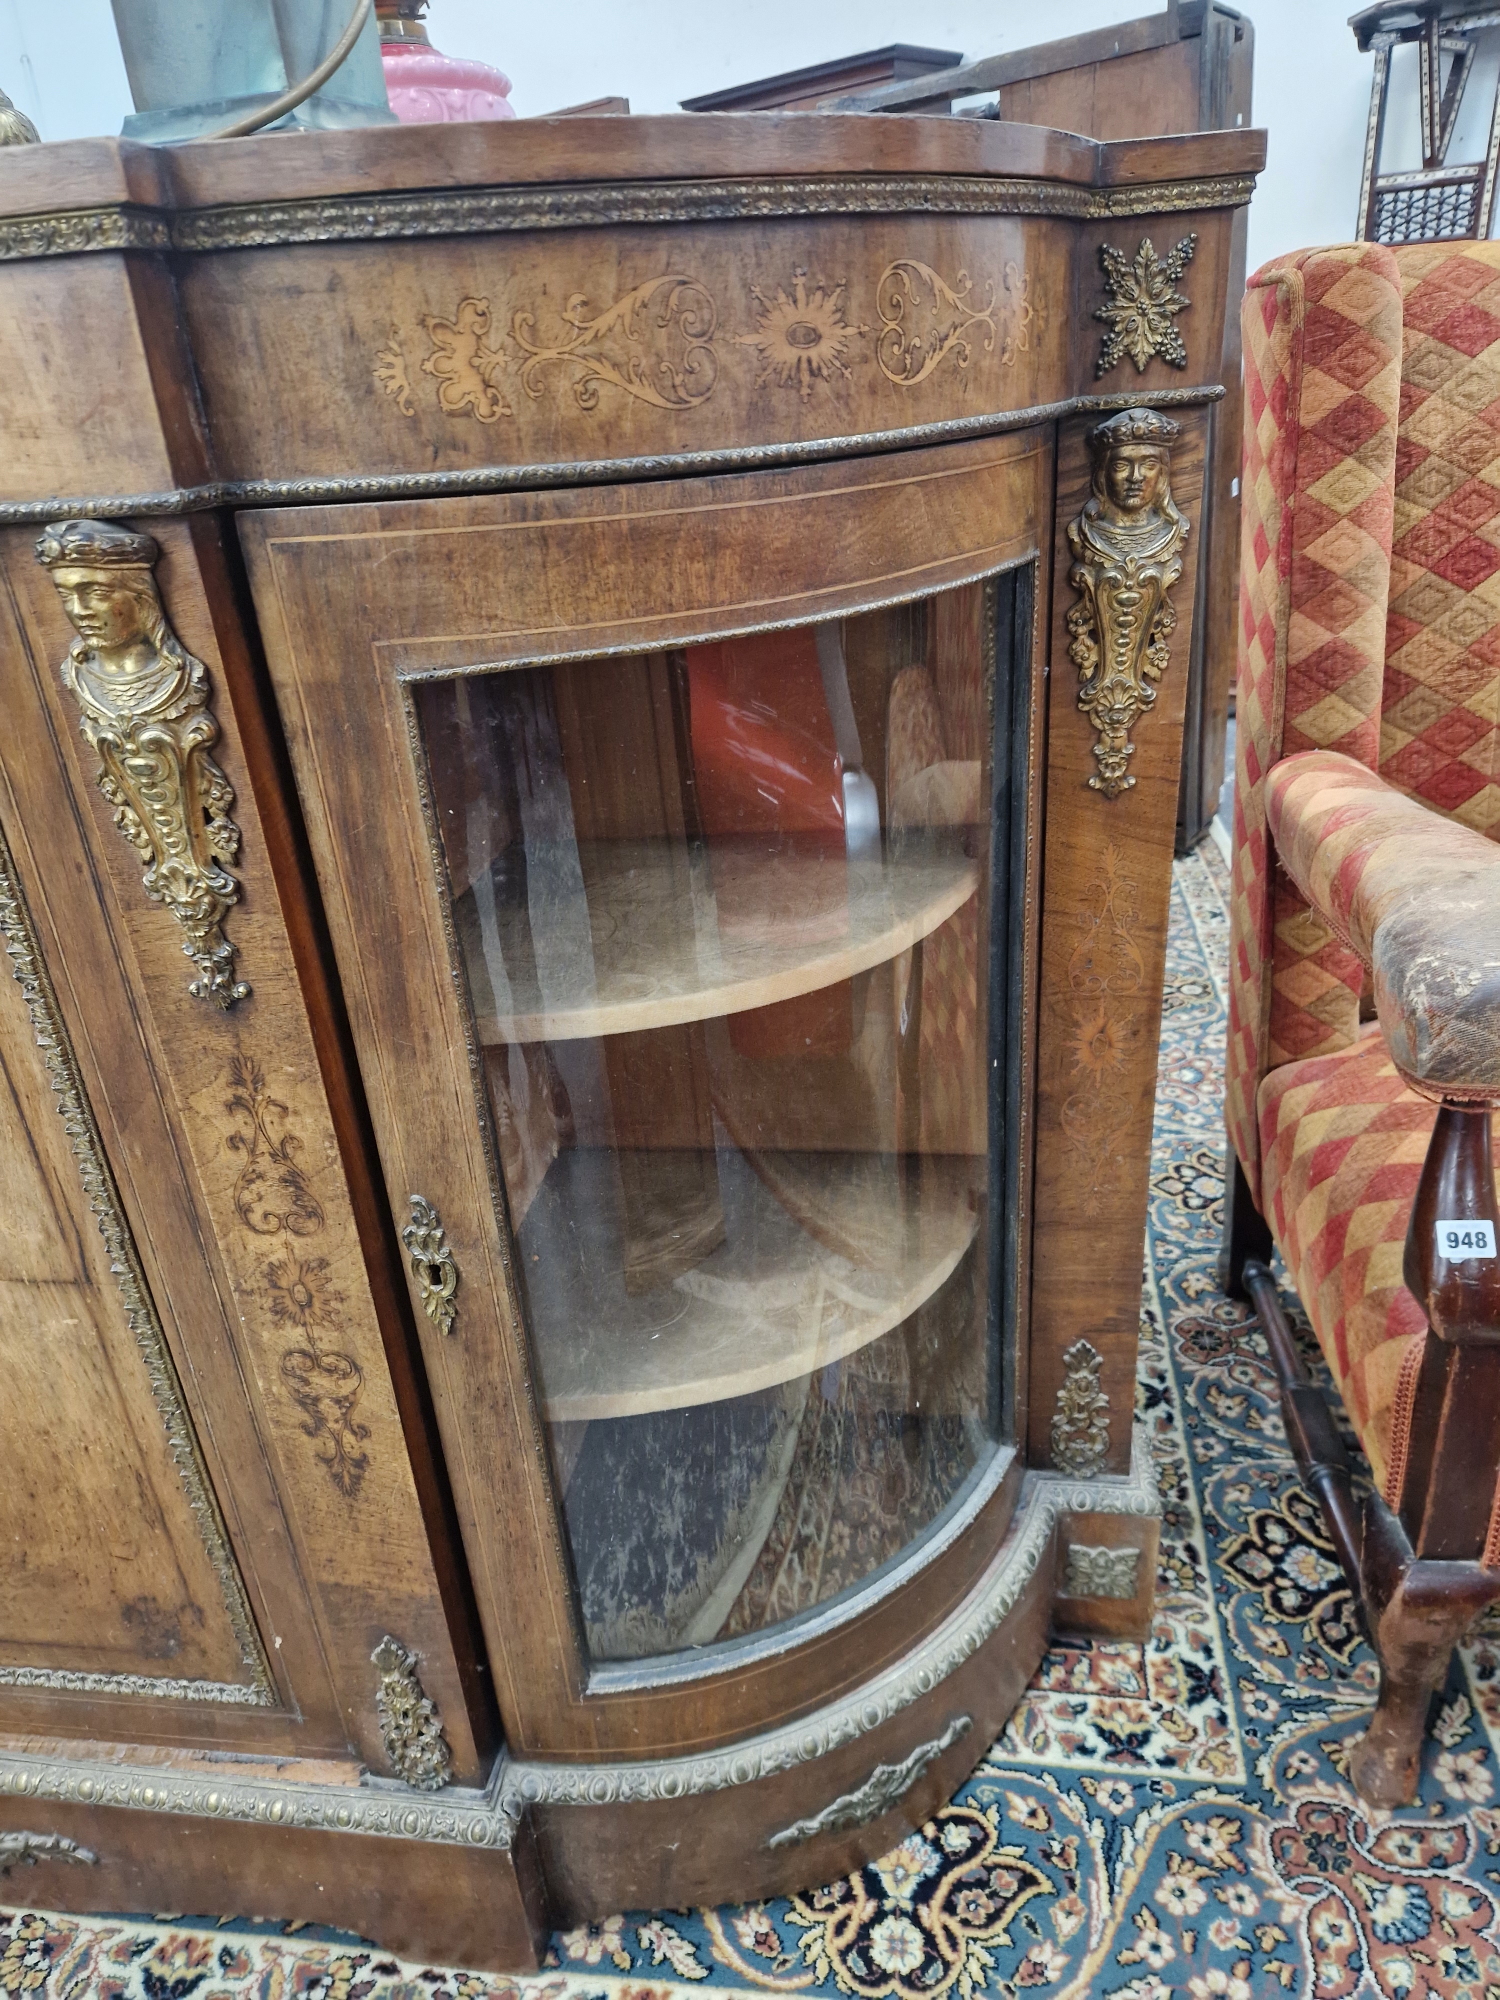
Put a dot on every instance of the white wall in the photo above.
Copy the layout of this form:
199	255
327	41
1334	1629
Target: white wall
62	65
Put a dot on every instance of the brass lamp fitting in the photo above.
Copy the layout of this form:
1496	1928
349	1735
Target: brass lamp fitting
401	20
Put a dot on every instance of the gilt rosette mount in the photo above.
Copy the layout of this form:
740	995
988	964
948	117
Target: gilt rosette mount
1142	304
1127	554
143	702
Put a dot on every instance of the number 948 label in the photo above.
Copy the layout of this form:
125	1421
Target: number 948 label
1457	1241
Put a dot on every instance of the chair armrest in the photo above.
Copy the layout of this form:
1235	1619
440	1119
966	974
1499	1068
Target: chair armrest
1418	897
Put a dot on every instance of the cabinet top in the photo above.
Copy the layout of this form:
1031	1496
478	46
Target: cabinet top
405	311
535	153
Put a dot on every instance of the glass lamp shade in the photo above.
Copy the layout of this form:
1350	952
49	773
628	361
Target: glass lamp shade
195	65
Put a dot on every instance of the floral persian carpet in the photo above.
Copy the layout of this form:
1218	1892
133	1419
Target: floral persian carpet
1158	1819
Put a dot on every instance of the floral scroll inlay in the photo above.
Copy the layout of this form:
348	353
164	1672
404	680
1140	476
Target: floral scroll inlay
273	1197
390	374
924	320
325	1386
463	366
1142	304
804	339
655	344
272	1194
1127	554
143	706
1105	974
323	1382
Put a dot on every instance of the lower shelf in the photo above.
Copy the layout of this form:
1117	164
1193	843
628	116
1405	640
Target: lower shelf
820	1255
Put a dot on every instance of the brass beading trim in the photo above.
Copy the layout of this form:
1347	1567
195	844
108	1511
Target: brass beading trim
482	211
78	230
473	1818
348	489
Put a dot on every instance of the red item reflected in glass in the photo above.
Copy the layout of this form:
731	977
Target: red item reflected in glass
769	784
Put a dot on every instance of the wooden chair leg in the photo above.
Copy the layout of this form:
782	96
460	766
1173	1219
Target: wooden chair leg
1417	1612
1310	1429
1246	1233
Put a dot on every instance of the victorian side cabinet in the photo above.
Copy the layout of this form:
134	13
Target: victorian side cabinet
593	713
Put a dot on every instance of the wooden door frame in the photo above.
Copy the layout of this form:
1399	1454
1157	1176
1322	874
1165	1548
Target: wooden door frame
984	507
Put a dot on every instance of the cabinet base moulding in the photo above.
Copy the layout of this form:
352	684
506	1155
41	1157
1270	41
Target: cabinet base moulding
612	1836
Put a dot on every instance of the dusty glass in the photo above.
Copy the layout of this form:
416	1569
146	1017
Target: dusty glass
727	919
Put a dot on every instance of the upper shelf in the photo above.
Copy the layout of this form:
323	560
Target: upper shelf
819	1254
614	937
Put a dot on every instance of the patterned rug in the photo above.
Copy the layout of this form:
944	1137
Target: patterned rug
1157	1819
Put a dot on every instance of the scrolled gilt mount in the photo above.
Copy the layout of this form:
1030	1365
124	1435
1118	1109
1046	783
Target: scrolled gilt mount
410	1726
1127	554
143	702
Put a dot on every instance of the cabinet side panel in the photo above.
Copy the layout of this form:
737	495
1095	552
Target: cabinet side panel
220	1126
107	1571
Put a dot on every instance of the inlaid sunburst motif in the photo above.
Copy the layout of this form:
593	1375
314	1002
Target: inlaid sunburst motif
804	339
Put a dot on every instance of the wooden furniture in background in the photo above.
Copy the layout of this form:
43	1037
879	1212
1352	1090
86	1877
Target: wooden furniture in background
1189	69
1433	201
812	88
529	721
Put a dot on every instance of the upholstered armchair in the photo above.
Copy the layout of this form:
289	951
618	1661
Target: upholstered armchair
1364	1024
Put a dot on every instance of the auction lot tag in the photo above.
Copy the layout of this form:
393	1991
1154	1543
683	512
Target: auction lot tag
1457	1241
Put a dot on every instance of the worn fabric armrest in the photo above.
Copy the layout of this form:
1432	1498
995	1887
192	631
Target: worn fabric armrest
1418	897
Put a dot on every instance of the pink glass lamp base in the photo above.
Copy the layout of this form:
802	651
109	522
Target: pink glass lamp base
428	88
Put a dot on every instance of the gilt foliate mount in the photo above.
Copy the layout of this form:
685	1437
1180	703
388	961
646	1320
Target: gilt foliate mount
1142	304
410	1726
433	1264
143	706
1080	1416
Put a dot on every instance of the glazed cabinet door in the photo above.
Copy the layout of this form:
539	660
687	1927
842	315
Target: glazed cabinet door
209	1514
674	845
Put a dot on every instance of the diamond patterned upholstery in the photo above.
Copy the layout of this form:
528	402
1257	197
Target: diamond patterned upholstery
1370	599
1440	707
1342	1146
1322	335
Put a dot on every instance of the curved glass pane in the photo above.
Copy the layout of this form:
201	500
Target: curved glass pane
725	916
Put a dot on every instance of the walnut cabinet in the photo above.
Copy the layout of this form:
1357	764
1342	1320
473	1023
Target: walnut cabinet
585	823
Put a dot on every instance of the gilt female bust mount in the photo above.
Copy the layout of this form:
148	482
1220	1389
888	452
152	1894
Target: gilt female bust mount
1127	554
143	701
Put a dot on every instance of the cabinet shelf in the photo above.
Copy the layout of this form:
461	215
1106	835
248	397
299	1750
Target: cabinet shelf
613	937
822	1254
